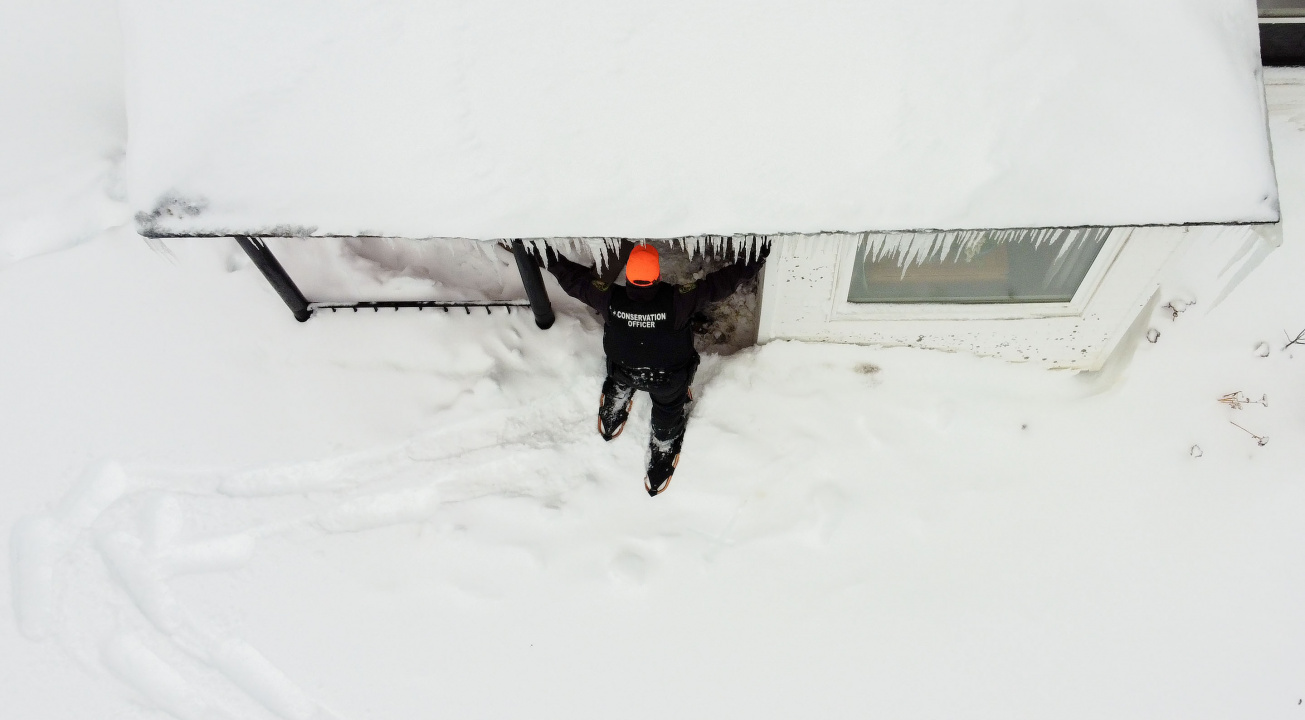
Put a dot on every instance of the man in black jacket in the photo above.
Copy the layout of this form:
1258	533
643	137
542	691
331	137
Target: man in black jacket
649	343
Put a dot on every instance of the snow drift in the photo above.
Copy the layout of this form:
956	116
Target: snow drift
593	118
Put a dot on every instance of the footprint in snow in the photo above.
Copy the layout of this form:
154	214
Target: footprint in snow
629	568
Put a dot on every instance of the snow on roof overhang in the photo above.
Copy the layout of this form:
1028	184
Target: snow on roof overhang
612	118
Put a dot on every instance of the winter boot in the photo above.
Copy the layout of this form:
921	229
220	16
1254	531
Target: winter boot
663	456
614	408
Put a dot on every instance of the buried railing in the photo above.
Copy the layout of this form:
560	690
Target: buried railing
444	305
303	309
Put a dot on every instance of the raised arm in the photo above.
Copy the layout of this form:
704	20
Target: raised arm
578	281
691	298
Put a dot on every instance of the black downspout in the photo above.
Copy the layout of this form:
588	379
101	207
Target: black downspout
276	275
534	282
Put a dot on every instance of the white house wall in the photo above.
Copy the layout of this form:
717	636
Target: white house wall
805	289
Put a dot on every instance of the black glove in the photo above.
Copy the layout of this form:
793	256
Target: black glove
550	256
763	252
534	253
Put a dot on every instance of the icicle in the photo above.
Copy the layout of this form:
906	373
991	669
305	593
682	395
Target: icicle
598	250
911	249
693	246
537	246
613	247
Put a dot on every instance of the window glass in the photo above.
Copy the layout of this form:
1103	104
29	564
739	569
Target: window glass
1282	8
984	266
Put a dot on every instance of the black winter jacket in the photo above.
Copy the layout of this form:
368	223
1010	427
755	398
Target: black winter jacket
581	283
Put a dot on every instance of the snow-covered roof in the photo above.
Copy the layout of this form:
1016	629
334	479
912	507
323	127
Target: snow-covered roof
498	118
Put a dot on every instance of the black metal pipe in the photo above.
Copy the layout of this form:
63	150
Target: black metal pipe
276	275
534	282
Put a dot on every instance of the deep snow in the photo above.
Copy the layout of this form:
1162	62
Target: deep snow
394	515
600	118
63	127
213	511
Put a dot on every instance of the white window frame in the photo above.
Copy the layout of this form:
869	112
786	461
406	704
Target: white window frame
841	309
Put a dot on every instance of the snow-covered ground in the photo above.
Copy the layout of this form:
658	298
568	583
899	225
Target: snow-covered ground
215	512
62	124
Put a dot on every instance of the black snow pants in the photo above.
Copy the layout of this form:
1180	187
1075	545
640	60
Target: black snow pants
669	390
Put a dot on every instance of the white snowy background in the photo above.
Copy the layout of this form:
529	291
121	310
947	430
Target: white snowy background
215	512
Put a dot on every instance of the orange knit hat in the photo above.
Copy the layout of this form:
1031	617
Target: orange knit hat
643	267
